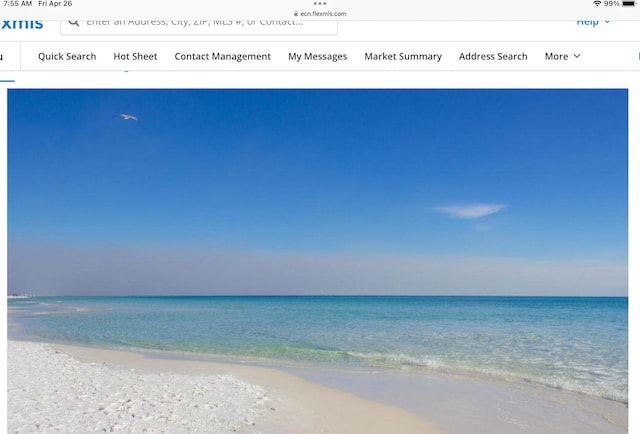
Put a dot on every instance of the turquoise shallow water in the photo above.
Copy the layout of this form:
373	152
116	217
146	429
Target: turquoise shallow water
577	344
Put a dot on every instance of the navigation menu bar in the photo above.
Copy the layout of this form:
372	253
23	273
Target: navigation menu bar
401	56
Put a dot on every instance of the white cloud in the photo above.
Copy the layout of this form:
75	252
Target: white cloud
472	211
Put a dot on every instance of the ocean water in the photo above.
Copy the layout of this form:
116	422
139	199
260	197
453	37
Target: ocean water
575	344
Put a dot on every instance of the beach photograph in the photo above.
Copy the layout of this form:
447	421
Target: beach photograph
299	261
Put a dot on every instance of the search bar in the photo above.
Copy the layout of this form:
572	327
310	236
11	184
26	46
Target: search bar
197	27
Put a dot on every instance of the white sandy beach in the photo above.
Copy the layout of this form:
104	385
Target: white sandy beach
50	391
74	389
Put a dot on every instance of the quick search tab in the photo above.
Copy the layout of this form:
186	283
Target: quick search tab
50	56
69	56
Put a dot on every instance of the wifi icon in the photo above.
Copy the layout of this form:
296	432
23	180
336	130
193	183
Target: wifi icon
597	2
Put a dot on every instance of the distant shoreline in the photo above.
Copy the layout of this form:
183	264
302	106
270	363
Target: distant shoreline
319	296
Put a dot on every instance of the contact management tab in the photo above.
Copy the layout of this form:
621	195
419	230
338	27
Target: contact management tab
222	56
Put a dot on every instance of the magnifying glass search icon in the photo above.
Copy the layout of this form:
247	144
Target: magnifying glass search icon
74	23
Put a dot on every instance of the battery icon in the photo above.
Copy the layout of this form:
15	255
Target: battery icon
628	2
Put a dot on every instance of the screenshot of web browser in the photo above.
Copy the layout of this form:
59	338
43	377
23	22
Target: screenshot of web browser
319	216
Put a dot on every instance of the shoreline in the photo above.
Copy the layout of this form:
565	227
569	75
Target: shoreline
481	405
294	405
315	400
400	401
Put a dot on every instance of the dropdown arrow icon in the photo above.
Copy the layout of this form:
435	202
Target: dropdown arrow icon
576	55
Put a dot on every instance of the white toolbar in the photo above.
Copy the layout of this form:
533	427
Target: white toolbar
315	56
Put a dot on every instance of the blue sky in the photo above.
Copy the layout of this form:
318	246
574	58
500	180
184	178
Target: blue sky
521	175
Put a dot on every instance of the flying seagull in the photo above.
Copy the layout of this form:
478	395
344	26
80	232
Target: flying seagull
127	117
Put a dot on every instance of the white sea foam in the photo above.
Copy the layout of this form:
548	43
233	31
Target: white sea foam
587	383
